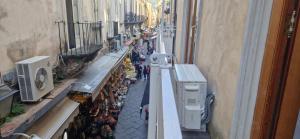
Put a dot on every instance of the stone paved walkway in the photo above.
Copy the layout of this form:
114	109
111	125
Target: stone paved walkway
130	125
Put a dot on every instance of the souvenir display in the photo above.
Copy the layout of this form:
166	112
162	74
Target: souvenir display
129	69
98	118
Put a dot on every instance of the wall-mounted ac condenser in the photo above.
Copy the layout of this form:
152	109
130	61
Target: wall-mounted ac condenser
35	78
191	91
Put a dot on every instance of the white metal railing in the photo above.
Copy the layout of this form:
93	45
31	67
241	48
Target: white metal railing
170	118
163	117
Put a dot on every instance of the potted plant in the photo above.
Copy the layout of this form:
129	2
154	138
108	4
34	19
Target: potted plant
6	103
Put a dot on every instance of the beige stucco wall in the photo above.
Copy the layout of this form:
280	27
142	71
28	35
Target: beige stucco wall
221	40
180	31
27	28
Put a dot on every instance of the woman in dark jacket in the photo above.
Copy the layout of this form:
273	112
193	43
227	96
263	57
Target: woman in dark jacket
145	72
148	71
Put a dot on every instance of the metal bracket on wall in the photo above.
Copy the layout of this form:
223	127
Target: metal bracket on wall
291	27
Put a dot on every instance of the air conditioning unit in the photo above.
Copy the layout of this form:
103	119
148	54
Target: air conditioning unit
191	91
35	78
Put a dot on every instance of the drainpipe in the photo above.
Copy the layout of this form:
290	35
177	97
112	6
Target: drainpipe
187	32
162	13
192	39
174	29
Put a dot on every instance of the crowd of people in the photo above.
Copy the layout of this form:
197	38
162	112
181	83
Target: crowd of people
138	59
143	72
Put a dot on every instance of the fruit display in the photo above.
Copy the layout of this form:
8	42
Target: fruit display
129	69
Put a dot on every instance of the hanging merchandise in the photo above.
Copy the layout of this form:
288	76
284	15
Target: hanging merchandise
129	69
98	118
79	97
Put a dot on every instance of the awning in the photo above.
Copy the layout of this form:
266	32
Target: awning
34	111
94	77
97	74
50	117
57	119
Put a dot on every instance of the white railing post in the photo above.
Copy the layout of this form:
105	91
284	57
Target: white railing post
163	117
171	126
153	100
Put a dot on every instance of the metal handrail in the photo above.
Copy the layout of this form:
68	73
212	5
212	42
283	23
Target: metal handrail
131	18
163	116
170	115
87	38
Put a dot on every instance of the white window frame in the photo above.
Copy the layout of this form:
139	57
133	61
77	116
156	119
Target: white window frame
255	36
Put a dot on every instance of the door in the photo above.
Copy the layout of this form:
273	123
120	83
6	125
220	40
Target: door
278	99
70	21
289	109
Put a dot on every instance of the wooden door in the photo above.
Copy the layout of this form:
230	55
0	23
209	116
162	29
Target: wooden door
278	99
289	109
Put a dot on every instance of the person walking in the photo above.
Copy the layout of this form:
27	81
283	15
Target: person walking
140	70
148	69
146	115
145	72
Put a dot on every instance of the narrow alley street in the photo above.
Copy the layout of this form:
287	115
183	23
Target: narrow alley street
131	123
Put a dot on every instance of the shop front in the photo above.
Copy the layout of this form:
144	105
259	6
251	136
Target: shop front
98	117
93	105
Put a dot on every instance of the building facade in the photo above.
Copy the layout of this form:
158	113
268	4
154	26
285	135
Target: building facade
83	31
217	53
36	31
230	41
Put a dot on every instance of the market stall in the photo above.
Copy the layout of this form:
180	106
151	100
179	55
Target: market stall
77	115
98	117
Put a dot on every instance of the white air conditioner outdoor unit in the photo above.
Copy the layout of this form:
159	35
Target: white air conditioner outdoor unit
191	91
34	77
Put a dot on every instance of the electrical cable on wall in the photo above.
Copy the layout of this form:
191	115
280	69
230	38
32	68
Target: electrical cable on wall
33	136
206	118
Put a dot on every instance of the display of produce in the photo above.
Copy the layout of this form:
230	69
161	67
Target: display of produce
129	69
98	118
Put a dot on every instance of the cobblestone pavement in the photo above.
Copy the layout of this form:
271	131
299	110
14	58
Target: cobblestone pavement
130	125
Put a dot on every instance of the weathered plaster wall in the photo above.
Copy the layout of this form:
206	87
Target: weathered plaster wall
84	10
221	40
27	28
180	30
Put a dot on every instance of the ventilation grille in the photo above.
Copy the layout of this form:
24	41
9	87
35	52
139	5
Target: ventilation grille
23	88
24	80
191	102
20	69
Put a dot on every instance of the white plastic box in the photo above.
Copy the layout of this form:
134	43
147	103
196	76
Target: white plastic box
191	91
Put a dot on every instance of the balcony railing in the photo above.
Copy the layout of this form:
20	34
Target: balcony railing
131	18
163	116
79	39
